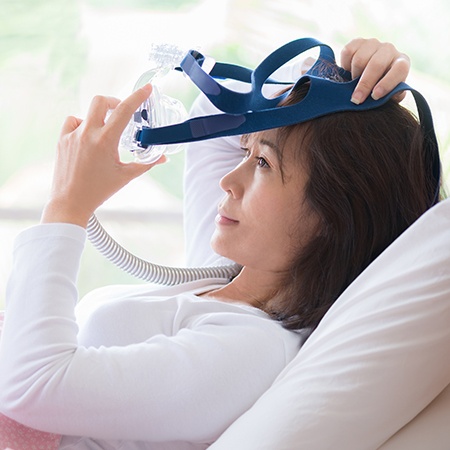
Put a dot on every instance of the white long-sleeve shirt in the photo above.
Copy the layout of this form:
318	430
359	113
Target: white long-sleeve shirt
143	363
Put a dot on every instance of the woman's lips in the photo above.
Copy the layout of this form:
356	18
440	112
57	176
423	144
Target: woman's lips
221	219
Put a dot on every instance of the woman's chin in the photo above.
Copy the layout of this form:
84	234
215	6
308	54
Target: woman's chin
223	250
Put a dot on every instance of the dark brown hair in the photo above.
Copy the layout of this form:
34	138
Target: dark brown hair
367	184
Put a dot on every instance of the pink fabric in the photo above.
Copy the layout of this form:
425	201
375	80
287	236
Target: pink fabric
14	436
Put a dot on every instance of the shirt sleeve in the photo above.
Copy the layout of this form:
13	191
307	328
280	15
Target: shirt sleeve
186	386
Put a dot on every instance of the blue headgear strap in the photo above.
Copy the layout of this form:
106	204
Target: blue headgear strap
251	111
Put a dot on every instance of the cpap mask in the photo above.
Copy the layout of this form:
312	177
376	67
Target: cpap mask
158	110
159	125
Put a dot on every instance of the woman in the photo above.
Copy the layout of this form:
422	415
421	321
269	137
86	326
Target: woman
176	371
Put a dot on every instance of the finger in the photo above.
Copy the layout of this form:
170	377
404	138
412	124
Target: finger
70	124
362	58
135	169
397	73
98	109
378	66
347	54
373	72
357	53
124	110
399	96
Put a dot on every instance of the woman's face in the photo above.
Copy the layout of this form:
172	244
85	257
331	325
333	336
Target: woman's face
261	222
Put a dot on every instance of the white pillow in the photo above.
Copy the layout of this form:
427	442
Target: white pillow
428	431
378	358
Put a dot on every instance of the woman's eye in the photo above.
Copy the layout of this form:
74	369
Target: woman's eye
262	162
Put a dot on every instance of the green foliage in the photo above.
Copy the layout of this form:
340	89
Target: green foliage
167	5
42	59
50	27
415	28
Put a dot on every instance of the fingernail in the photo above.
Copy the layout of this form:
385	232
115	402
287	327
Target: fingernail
163	159
357	97
378	92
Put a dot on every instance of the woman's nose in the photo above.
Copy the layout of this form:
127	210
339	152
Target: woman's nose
231	183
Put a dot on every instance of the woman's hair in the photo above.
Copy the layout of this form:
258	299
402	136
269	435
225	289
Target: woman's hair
367	183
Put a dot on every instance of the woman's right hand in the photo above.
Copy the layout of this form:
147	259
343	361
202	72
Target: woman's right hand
381	67
88	169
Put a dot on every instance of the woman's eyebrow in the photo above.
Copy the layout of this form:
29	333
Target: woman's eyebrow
270	144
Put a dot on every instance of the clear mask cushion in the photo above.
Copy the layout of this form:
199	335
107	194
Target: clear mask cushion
157	111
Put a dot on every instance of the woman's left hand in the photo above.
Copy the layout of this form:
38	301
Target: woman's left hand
381	67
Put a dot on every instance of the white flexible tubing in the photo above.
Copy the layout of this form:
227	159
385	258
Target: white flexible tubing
145	270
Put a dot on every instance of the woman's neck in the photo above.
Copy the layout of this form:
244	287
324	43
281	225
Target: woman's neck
252	287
